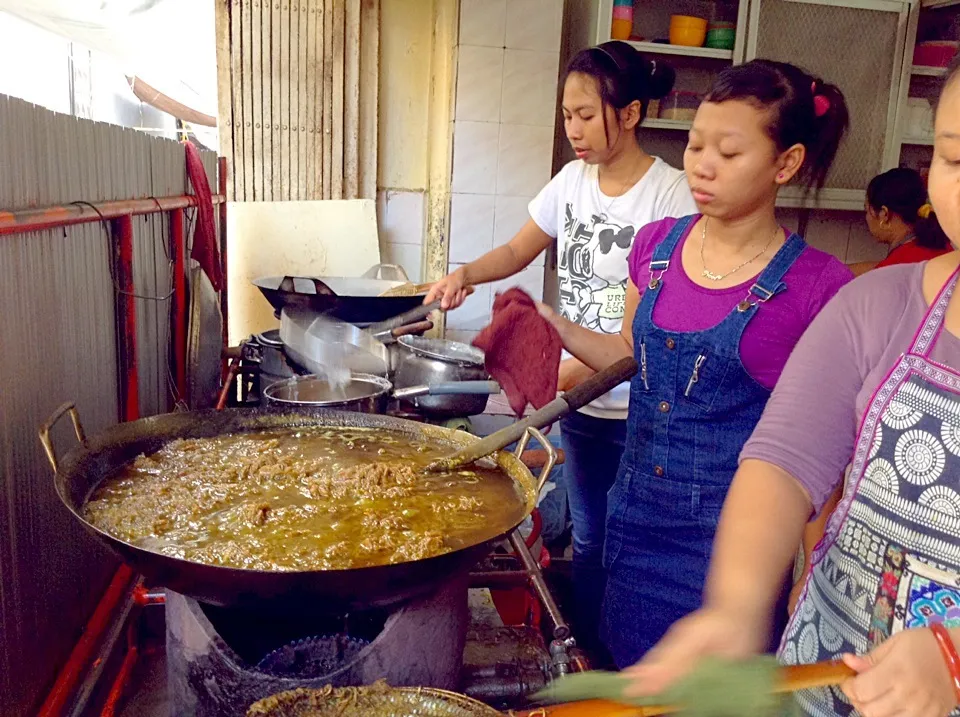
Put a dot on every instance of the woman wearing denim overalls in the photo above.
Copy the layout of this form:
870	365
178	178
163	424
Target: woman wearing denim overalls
871	393
715	304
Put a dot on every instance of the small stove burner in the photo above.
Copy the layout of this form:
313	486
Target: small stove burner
221	660
312	656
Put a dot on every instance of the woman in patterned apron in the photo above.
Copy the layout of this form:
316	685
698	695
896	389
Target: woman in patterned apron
714	306
873	387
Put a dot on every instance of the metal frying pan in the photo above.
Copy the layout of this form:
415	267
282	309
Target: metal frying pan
355	300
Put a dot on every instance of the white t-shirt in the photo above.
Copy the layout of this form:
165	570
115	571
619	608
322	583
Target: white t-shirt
595	241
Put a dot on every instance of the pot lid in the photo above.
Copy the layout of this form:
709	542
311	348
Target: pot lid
444	350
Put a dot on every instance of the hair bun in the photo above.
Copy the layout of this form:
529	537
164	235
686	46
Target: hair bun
659	79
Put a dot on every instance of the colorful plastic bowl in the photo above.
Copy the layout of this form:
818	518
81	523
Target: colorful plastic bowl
687	30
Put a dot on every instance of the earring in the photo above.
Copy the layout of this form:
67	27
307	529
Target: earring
780	176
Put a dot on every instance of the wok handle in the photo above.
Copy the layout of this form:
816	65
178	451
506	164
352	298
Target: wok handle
390	335
450	388
548	448
601	382
591	389
416	314
48	425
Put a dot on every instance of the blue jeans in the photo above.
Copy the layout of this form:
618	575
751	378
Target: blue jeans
593	447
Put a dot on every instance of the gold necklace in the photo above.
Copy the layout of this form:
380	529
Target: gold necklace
720	277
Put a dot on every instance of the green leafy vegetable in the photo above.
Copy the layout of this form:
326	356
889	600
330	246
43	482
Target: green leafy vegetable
716	688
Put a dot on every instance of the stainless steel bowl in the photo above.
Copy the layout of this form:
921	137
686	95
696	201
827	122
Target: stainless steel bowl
364	393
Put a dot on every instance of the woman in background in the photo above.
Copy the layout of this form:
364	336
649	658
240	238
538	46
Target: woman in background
898	215
592	209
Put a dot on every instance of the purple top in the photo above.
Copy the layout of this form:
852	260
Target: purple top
771	335
811	421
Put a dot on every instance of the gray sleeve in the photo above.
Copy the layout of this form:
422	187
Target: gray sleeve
809	426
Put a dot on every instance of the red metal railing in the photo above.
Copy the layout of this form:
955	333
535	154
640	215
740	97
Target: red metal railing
120	215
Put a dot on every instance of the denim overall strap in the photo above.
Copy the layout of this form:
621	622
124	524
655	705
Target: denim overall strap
765	287
660	261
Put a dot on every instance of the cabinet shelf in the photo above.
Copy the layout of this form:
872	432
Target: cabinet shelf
924	71
829	198
933	4
678	125
918	141
659	48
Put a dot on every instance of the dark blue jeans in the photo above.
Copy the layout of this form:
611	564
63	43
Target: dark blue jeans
593	447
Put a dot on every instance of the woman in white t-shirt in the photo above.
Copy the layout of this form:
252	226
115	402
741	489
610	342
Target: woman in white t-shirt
593	208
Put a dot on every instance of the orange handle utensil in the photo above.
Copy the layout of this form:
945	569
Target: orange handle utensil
792	679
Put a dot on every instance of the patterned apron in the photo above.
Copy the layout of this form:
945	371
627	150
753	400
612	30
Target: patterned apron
890	556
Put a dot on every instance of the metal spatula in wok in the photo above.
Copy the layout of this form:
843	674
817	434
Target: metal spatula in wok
572	400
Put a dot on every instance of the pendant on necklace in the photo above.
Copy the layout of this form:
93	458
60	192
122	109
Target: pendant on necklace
710	275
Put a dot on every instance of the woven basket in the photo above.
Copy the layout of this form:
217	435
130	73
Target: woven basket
377	700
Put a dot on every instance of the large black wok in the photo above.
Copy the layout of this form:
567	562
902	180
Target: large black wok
356	301
85	466
82	469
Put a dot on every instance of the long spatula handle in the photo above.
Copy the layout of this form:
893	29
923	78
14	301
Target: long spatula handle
572	400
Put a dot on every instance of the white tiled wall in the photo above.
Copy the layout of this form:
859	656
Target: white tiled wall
843	234
507	72
400	218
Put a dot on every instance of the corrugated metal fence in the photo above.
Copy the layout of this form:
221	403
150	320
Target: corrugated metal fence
58	344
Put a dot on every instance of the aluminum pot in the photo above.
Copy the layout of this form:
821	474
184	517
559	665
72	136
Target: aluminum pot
365	393
426	361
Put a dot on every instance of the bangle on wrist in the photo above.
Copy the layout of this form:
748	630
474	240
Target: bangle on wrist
949	652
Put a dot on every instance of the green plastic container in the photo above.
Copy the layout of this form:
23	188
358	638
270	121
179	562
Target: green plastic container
721	38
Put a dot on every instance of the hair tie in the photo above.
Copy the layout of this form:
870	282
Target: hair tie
821	103
925	211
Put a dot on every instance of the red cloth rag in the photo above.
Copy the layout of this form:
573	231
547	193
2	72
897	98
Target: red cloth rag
522	351
205	251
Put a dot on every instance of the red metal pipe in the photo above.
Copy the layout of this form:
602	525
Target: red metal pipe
143	597
119	685
179	308
126	307
228	384
93	632
31	220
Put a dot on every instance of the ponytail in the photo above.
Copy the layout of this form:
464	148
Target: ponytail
804	110
929	233
903	193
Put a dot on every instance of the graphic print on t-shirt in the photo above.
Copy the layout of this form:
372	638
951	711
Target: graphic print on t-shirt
592	271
